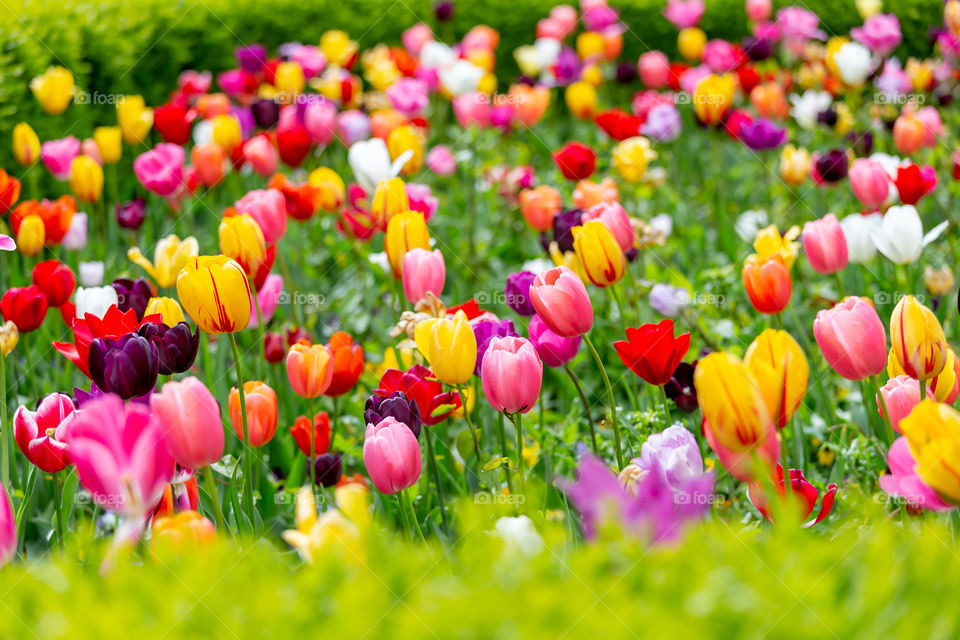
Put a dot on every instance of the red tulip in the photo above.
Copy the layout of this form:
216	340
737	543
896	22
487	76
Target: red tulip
9	191
619	124
321	433
576	161
26	307
913	183
173	122
293	143
55	280
803	492
652	352
274	350
421	385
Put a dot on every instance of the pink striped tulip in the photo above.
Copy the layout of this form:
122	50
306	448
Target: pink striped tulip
904	482
392	455
423	271
511	374
190	417
852	338
42	434
825	244
562	302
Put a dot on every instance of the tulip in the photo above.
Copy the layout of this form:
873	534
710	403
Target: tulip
392	456
424	390
318	440
327	469
632	156
273	348
562	302
423	271
9	191
858	230
215	293
26	144
712	98
511	374
131	215
42	434
329	184
405	232
127	366
599	254
110	143
779	368
389	199
134	118
917	338
190	417
869	181
31	236
913	183
900	395
347	363
450	346
161	169
262	416
615	218
908	134
121	456
904	481
397	406
539	206
176	345
187	531
53	90
768	283
407	140
268	207
652	352
825	244
173	122
132	294
575	160
288	78
293	144
169	258
58	156
8	528
932	431
226	133
654	69
900	237
26	307
735	410
9	337
803	493
209	161
55	280
794	165
852	338
309	369
261	154
517	292
86	179
242	240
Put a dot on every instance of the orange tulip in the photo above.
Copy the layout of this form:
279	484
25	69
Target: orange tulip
261	403
539	206
347	363
208	159
768	283
309	369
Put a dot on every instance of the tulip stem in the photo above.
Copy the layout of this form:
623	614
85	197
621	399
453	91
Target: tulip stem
586	406
610	400
616	299
666	402
407	505
311	459
403	515
503	445
517	421
57	499
214	498
923	390
473	431
247	466
432	459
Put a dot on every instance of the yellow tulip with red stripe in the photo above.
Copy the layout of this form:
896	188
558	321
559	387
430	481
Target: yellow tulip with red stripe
731	401
405	231
944	386
933	433
449	345
917	338
215	293
26	144
778	366
599	253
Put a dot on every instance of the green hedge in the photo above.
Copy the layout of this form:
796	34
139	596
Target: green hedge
117	46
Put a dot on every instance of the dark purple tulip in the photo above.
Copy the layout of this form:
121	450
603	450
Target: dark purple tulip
680	388
762	134
443	10
862	142
327	467
251	57
176	346
757	48
486	331
517	292
266	112
130	215
828	117
563	224
133	294
832	166
567	66
396	405
626	72
127	366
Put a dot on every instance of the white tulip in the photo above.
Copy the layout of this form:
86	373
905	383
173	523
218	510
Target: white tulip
853	61
900	236
95	300
370	162
857	229
435	54
460	77
807	107
91	274
749	223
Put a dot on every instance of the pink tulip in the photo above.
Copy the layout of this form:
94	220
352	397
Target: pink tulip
269	208
880	33
415	37
721	56
825	244
472	108
551	29
58	155
566	16
42	434
8	528
392	455
320	120
409	96
554	350
614	217
90	148
870	182
261	154
852	339
268	297
654	69
161	169
190	417
903	481
759	10
511	374
423	271
121	456
684	14
440	160
901	395
422	199
562	302
742	465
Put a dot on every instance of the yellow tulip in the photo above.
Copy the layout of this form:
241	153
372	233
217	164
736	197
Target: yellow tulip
241	238
917	338
86	179
226	132
406	138
31	236
581	99
868	8
215	293
405	231
778	366
449	345
938	281
602	258
288	78
337	47
170	256
712	98
331	187
690	42
340	531
110	143
794	165
731	402
920	73
135	118
487	84
169	309
567	259
632	156
389	199
589	45
769	242
9	337
933	432
592	74
53	90
26	144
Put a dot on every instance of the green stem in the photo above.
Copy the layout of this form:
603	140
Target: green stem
214	498
313	452
518	423
473	430
405	501
586	406
247	466
923	390
57	499
437	481
503	445
612	403
666	403
403	515
891	434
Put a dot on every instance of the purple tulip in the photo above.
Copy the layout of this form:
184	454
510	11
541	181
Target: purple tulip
563	224
680	388
832	166
553	349
130	215
517	292
133	294
328	468
567	66
443	11
678	454
663	123
127	366
486	331
396	405
266	112
251	57
762	134
177	346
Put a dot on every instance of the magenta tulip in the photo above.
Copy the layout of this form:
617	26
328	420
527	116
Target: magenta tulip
161	169
562	302
825	244
392	455
269	208
553	349
423	271
190	417
869	181
852	338
8	528
58	156
901	395
511	374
